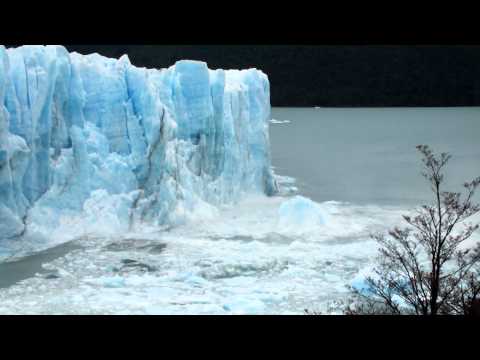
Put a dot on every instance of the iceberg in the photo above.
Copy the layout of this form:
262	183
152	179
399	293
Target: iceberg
300	214
86	135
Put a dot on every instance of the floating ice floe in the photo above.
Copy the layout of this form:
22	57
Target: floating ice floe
301	214
274	121
241	261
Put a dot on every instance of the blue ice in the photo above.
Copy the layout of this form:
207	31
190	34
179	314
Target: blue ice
71	125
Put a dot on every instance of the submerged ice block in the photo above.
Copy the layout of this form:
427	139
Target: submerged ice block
163	140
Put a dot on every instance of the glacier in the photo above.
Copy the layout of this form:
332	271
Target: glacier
90	137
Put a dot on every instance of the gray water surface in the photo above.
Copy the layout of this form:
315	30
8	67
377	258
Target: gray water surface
368	156
27	267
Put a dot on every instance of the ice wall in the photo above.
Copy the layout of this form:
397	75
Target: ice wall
99	137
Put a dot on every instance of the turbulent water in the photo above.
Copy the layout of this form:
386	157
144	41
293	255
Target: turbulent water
260	256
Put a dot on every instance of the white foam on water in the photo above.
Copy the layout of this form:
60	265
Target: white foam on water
264	255
251	258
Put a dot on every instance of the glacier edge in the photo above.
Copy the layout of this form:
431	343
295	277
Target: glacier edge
90	135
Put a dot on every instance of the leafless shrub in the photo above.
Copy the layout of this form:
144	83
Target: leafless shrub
423	268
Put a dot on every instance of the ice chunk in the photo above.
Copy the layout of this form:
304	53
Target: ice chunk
107	281
275	121
359	282
243	306
300	214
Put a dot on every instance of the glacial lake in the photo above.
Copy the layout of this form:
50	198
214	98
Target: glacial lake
368	156
359	165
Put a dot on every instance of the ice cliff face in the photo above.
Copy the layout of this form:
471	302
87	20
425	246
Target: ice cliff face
99	137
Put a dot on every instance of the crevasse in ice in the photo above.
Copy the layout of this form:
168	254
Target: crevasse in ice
79	133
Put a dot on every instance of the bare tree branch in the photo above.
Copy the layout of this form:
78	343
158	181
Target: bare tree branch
421	268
